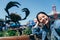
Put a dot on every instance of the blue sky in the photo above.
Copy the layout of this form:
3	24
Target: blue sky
34	6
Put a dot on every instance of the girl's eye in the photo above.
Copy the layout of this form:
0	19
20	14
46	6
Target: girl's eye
46	19
43	16
40	18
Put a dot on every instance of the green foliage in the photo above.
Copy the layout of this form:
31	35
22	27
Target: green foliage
11	32
27	31
1	34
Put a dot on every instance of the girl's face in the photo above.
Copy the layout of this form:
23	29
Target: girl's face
43	18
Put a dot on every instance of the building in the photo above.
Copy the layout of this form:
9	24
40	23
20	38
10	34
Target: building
54	14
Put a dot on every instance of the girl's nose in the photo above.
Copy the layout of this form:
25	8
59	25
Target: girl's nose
42	18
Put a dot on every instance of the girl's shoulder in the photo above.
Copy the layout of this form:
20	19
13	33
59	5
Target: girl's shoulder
56	24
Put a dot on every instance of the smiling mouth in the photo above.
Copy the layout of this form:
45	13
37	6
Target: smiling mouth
43	21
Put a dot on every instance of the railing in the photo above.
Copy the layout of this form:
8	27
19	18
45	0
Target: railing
23	37
18	37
